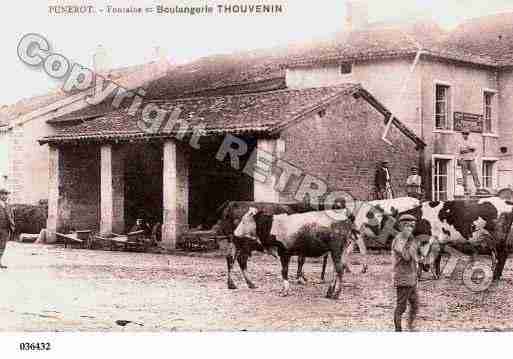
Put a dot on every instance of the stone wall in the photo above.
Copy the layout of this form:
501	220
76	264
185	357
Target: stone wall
344	147
79	199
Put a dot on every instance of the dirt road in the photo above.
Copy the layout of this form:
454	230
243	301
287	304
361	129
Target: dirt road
49	288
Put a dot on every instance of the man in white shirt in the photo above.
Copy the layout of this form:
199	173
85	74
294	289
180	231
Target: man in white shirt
468	164
414	184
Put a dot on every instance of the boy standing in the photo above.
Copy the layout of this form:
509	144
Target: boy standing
404	263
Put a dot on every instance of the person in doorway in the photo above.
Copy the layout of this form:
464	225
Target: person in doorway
6	222
414	184
383	182
141	225
468	164
405	260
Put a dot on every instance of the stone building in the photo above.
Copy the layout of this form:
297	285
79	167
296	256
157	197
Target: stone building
438	83
278	145
24	162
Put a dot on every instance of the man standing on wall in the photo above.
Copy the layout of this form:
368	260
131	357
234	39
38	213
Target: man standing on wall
383	182
468	164
6	222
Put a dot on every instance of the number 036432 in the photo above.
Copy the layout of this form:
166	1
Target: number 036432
35	346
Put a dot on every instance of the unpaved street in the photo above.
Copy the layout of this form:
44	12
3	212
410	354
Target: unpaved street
49	288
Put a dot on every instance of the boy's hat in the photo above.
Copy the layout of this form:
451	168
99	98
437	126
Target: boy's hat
407	218
4	190
378	208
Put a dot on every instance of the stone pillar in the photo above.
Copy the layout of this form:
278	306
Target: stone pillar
54	220
112	190
175	189
265	191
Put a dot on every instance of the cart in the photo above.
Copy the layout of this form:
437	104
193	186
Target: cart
83	239
133	241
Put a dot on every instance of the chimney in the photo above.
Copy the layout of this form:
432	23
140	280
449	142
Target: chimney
101	61
160	58
357	14
158	54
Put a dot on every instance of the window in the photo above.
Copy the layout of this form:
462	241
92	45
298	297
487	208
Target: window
488	173
487	111
345	69
440	180
442	106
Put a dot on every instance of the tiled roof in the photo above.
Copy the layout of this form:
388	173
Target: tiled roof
374	42
263	113
475	42
233	73
27	105
489	36
391	42
256	113
4	119
220	71
127	77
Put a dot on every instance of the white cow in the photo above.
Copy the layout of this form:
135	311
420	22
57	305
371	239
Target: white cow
361	211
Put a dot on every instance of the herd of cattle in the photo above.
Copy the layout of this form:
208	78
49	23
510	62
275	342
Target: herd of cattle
286	230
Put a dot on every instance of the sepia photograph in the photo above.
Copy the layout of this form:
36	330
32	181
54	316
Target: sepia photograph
321	168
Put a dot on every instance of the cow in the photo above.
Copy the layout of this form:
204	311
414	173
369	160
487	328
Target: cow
467	225
311	234
240	249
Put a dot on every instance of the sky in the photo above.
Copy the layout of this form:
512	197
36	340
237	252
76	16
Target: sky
131	39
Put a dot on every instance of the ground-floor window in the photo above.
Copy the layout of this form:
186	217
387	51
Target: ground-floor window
441	179
488	167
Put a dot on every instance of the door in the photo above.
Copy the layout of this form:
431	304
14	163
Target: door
441	177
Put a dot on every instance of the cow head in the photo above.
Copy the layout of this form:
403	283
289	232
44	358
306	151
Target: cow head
375	215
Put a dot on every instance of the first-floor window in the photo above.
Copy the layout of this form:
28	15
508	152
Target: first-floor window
488	173
488	111
440	179
442	110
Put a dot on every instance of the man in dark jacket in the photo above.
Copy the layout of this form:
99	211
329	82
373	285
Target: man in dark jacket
6	222
383	182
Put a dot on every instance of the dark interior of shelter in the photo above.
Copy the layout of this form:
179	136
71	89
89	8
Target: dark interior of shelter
143	183
211	182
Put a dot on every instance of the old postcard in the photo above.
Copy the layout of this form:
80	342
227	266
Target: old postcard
186	166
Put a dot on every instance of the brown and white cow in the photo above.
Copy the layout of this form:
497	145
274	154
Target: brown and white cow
240	248
469	226
310	234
